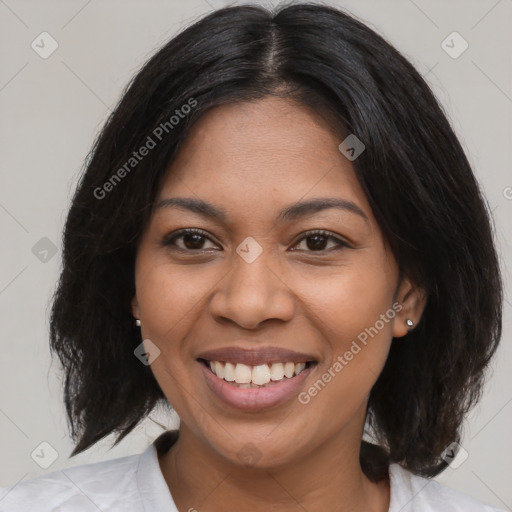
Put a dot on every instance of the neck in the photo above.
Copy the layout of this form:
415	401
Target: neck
328	477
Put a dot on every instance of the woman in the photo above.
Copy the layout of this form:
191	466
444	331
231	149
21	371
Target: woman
279	235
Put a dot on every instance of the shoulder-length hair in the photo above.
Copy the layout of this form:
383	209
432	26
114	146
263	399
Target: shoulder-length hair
413	171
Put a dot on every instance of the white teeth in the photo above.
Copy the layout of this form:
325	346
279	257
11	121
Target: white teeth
247	376
299	367
242	374
219	369
229	372
277	371
261	374
289	370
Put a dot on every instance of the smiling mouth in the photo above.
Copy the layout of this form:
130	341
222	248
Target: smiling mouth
264	375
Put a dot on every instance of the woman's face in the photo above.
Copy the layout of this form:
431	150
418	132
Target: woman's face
255	283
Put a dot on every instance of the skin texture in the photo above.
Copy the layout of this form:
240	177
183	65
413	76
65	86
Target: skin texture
253	160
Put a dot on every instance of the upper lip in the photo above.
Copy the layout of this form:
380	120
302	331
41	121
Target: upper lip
255	357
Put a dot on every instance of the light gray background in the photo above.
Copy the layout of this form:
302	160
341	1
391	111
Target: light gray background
51	110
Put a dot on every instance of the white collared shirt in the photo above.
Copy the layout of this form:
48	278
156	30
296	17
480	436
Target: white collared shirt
135	484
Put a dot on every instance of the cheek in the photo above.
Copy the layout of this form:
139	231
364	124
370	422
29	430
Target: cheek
169	297
354	315
349	300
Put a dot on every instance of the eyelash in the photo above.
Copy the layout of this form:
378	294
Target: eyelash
169	240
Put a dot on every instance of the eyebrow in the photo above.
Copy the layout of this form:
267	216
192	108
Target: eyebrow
291	212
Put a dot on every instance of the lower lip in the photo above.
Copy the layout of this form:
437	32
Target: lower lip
254	399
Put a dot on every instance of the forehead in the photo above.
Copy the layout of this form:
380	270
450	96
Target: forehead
268	152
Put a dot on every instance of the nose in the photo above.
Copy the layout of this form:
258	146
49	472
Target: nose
252	293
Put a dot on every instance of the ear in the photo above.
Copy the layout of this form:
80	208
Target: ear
135	307
413	299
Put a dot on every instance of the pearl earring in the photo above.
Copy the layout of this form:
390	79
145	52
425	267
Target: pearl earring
409	322
137	322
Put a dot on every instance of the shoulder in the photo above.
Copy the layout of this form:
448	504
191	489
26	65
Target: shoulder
412	493
106	485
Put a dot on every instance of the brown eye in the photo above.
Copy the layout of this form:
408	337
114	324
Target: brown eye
317	241
193	241
189	240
